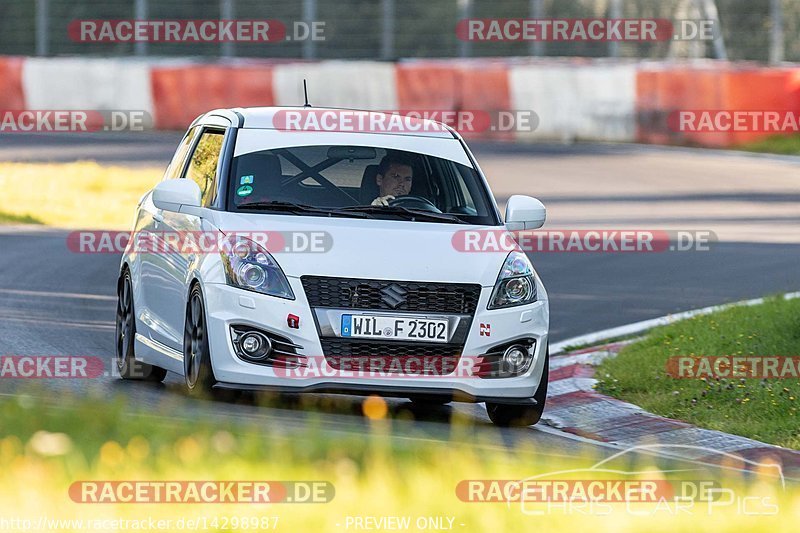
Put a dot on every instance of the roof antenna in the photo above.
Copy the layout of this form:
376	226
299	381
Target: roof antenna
305	92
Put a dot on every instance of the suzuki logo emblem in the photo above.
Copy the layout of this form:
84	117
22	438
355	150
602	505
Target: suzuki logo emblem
394	295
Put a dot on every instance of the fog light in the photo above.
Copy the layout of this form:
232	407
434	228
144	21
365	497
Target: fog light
515	357
251	344
255	346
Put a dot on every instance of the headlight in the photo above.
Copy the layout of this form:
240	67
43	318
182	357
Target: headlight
249	266
515	284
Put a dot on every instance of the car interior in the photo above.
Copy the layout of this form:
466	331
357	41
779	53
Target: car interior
293	175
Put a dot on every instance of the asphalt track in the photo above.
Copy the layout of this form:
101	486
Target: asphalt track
53	301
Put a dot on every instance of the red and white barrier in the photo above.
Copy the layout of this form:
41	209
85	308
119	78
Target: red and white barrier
573	99
664	90
593	102
183	92
12	94
350	84
78	83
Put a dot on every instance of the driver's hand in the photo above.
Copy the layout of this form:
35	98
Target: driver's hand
382	200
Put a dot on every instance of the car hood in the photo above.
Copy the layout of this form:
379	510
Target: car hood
370	248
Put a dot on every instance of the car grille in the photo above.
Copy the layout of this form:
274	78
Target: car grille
418	359
456	298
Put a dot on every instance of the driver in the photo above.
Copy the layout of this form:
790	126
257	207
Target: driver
394	178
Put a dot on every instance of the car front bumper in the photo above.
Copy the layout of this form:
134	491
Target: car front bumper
227	306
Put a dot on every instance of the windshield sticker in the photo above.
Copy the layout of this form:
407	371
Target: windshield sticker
244	190
246	180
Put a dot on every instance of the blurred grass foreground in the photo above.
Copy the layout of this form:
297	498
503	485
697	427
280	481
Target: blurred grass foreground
80	195
45	448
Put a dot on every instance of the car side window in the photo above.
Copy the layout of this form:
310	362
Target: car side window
202	168
176	165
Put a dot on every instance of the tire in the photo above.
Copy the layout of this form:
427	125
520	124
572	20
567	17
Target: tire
127	365
197	371
507	415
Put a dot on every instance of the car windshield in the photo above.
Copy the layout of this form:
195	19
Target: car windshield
363	181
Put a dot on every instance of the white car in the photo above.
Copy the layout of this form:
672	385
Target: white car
311	260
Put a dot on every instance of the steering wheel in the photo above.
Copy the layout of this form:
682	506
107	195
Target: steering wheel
414	202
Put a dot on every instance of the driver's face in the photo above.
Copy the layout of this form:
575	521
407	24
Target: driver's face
397	180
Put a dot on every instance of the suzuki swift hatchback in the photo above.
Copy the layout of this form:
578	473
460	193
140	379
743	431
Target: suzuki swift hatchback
282	254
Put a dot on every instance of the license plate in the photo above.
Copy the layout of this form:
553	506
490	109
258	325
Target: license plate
395	328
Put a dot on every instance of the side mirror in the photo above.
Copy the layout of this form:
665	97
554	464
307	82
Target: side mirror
170	195
524	213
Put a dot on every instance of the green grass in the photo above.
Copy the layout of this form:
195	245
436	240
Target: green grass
9	218
778	144
762	409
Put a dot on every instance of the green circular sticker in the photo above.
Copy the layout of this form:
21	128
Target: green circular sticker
244	190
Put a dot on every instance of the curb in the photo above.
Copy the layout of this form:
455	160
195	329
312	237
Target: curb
575	407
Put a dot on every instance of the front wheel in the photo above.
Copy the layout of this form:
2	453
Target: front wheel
127	365
196	353
508	415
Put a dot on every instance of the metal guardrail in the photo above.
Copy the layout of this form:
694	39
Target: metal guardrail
760	30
